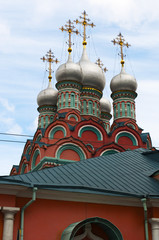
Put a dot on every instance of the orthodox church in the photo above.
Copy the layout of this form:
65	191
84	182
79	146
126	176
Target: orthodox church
81	177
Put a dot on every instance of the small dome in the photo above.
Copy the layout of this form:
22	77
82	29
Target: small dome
47	96
123	81
105	105
93	75
69	71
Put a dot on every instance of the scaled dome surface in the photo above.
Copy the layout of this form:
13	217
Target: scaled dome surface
92	74
123	81
47	96
105	105
69	71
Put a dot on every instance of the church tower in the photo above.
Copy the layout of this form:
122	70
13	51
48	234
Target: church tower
123	87
47	98
93	79
69	79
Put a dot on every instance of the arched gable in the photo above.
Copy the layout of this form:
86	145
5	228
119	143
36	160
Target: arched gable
38	138
28	149
55	129
73	116
90	128
127	135
23	168
36	154
70	148
109	151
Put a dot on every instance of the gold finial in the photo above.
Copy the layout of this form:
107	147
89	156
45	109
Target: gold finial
85	23
100	64
49	57
69	28
121	41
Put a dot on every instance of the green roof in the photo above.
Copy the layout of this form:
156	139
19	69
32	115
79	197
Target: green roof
125	173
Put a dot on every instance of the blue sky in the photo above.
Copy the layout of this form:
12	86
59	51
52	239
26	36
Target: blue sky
28	29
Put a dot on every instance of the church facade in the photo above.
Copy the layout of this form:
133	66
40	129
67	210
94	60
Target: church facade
81	177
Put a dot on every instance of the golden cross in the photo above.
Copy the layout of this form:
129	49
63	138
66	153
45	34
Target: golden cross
85	23
69	28
100	64
121	41
49	57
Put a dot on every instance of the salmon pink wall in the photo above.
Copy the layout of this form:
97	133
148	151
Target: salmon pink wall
47	219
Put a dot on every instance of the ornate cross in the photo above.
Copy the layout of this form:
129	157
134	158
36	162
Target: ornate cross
100	64
121	42
69	28
84	22
49	57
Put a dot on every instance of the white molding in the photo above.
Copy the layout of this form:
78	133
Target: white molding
9	213
23	191
155	228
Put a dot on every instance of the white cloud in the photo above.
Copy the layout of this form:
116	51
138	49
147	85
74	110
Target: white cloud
11	153
4	29
8	106
9	125
14	128
125	13
33	126
147	110
7	121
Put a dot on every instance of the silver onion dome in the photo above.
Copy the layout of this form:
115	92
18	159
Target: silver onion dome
105	105
93	75
123	81
47	96
69	71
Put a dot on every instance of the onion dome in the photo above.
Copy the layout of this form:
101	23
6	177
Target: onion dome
47	96
69	71
93	75
105	105
123	81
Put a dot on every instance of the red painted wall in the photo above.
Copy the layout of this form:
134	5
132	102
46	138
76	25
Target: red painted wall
58	135
89	136
125	142
47	219
70	154
7	200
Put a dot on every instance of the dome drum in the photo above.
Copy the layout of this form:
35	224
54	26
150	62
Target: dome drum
124	94
88	91
62	85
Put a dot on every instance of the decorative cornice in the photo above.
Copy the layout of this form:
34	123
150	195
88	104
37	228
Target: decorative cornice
105	115
87	91
68	84
124	94
52	162
44	108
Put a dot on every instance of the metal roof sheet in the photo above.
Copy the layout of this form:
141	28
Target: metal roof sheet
124	173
